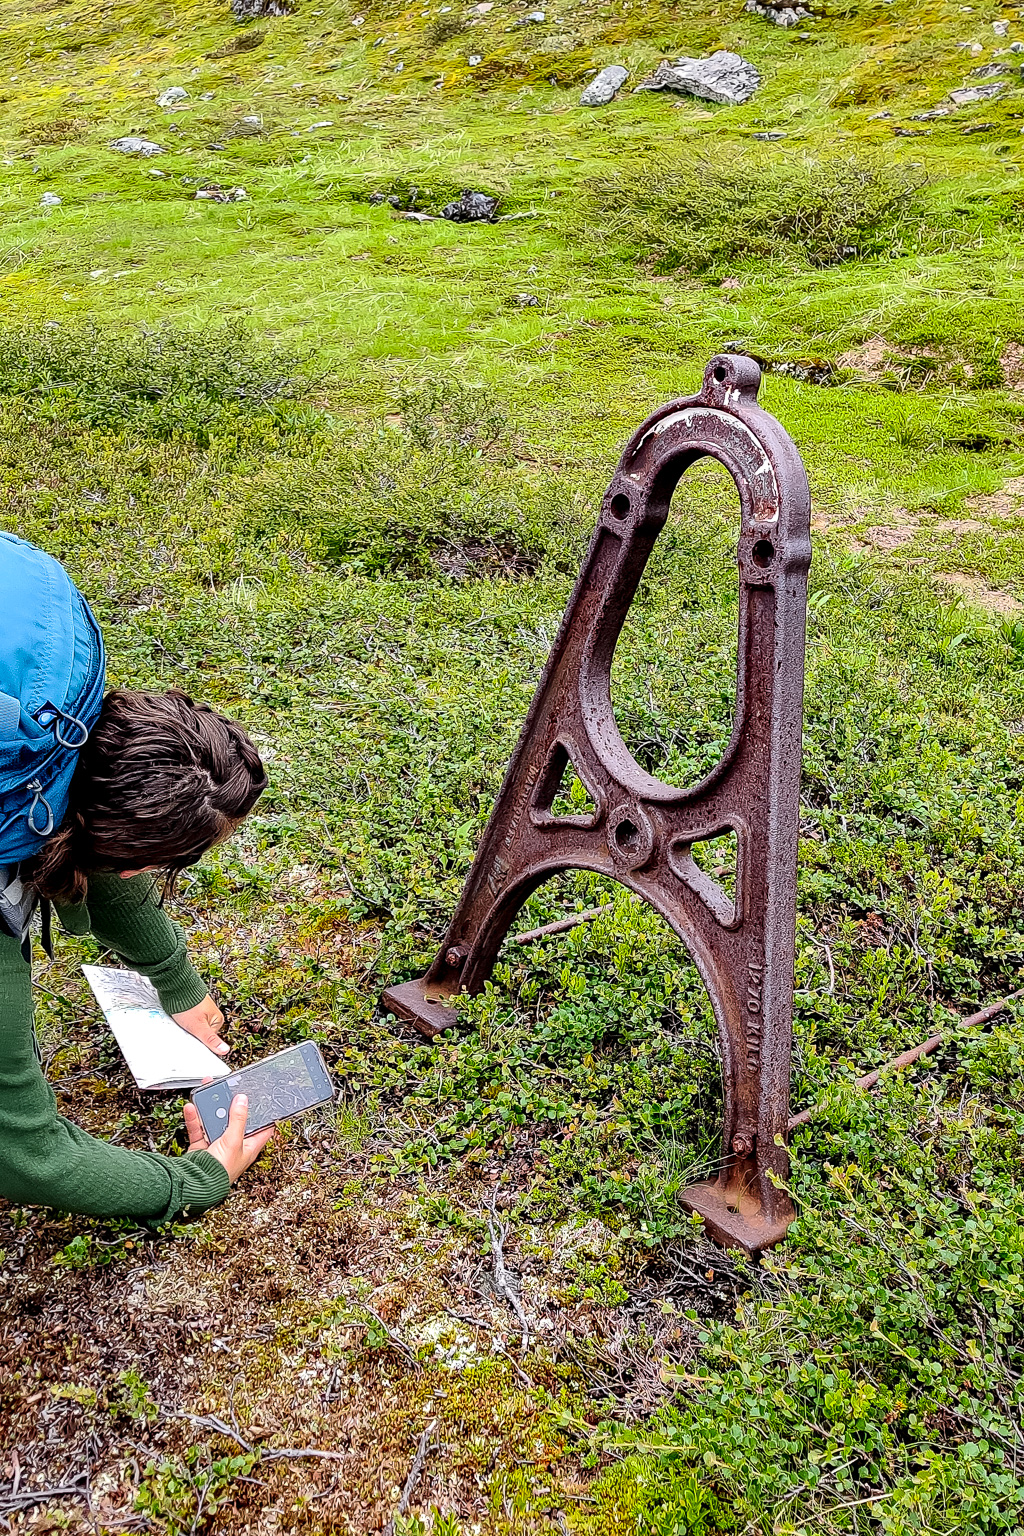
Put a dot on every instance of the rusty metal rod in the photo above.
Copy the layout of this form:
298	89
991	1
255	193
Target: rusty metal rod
563	924
909	1057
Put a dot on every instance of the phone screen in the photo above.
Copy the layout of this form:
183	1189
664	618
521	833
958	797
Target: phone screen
278	1088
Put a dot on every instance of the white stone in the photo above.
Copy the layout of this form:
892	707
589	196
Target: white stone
50	200
221	194
172	95
725	78
605	87
131	144
974	93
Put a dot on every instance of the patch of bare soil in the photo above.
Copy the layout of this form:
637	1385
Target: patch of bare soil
313	1328
888	539
877	361
973	590
1011	361
463	562
1005	503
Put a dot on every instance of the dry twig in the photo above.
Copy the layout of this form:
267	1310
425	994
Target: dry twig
11	1503
288	1453
501	1280
415	1473
393	1338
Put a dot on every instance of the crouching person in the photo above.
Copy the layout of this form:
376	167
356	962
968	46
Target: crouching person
98	795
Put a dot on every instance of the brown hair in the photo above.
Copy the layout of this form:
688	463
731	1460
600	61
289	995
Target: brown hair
159	781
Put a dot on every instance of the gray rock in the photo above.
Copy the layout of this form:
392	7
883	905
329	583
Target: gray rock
526	300
251	10
724	78
605	86
131	144
471	208
222	194
781	15
769	138
50	200
172	95
974	93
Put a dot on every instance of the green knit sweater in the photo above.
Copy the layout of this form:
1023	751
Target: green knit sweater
44	1159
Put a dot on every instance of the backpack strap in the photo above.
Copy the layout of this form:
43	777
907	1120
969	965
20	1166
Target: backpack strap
17	904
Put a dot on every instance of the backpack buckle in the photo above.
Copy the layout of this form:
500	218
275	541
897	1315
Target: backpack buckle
50	716
38	798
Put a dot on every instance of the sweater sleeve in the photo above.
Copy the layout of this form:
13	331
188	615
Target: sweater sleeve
45	1160
126	916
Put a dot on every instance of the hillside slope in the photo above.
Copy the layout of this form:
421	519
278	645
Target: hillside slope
334	469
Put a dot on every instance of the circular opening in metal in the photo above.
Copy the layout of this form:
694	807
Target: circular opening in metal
627	835
620	505
720	373
763	552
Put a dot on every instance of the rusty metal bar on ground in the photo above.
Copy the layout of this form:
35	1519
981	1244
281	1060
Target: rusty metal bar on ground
916	1053
563	924
641	832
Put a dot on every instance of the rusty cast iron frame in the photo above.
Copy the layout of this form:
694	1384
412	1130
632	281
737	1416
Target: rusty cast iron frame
642	832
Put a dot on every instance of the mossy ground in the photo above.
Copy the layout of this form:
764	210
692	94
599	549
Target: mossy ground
372	581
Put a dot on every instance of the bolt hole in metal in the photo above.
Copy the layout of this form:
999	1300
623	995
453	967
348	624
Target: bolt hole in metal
620	505
720	374
763	553
627	835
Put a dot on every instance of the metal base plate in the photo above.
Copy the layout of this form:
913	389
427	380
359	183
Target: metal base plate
734	1218
409	1001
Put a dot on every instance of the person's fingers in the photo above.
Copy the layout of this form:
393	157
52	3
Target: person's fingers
197	1137
215	1019
207	1034
253	1145
234	1132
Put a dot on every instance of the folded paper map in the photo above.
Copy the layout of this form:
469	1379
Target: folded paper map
159	1053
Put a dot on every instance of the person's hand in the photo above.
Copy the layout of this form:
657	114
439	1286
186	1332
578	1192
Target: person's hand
205	1021
234	1149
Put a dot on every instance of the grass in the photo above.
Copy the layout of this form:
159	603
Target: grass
321	466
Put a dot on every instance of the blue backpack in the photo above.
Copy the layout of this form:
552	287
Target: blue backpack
51	688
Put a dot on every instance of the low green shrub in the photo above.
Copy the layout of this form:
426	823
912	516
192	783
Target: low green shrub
712	211
165	383
438	492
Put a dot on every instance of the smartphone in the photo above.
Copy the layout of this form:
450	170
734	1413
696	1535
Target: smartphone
282	1086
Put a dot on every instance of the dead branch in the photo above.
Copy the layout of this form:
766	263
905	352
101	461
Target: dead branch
287	1453
394	1338
563	924
501	1280
415	1473
10	1503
